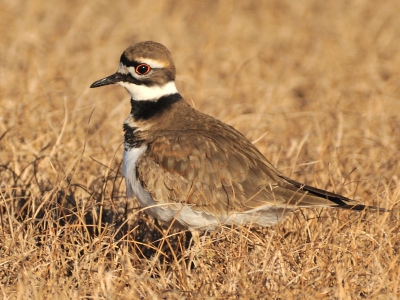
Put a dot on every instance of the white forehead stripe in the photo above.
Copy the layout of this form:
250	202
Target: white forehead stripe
144	92
122	69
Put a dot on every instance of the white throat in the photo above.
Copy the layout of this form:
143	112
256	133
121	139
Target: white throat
144	92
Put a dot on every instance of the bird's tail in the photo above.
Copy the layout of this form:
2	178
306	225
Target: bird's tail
309	196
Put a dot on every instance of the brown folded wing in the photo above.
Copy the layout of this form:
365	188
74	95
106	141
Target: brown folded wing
215	169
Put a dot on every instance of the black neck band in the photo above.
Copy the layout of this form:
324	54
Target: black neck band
146	109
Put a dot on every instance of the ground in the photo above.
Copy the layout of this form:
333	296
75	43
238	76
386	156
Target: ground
314	84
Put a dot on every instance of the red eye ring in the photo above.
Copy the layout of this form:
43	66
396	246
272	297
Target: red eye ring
142	69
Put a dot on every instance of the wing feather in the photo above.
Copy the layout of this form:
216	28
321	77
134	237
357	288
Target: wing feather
218	171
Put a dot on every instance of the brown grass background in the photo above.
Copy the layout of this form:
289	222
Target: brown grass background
315	84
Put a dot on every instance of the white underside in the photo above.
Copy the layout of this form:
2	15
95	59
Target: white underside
266	215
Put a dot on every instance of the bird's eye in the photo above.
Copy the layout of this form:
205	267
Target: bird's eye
142	69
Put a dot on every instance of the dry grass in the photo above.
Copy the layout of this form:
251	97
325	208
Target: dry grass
315	83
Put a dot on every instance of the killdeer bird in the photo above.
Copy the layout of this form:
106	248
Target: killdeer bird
189	168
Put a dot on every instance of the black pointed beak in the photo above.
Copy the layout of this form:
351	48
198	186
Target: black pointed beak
112	79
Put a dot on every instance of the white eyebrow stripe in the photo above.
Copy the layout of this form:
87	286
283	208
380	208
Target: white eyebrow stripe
156	64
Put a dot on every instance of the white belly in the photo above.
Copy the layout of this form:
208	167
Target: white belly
133	187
